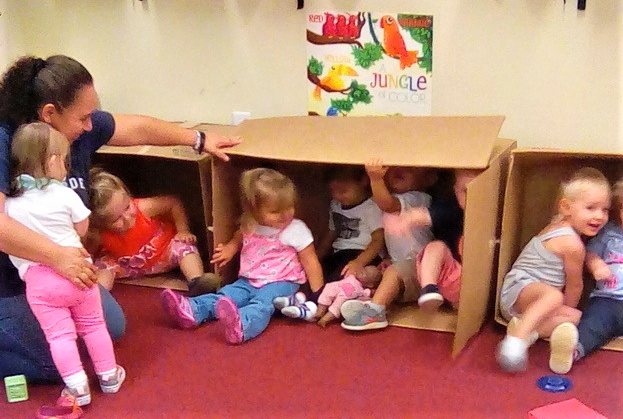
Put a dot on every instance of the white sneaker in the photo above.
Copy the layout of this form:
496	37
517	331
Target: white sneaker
513	354
562	345
289	300
305	311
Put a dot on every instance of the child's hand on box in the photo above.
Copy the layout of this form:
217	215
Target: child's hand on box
375	169
223	253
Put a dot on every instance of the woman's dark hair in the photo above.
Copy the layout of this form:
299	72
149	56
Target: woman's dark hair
32	82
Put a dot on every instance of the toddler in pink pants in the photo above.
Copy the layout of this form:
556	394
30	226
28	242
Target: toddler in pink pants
40	201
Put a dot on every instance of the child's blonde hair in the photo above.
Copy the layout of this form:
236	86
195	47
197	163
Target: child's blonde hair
103	185
581	180
262	186
32	146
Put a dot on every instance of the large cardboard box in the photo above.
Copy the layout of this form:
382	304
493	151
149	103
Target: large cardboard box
530	202
179	171
302	147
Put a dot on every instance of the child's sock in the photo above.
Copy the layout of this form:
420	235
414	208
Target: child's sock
513	354
77	386
305	311
512	327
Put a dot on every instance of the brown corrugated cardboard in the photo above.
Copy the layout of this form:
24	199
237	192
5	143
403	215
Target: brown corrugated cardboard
301	147
533	181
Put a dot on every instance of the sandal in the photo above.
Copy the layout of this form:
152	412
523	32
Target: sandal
65	408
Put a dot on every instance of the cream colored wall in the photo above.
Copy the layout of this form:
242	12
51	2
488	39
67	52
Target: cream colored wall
556	73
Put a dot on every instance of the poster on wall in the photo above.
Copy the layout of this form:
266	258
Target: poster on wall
363	63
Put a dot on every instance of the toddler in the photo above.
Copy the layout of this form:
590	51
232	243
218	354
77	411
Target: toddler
142	236
277	255
39	200
540	294
602	319
401	193
355	237
439	264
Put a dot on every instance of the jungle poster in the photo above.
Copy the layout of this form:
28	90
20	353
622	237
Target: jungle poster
362	63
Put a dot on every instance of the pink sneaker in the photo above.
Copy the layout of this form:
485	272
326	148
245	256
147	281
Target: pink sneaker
229	316
66	408
178	309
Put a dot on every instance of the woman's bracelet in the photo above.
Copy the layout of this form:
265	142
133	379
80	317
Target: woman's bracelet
200	142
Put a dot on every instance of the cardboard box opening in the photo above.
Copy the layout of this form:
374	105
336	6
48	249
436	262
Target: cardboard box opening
303	147
151	171
530	202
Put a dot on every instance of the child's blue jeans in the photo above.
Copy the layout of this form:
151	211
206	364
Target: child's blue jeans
602	320
255	304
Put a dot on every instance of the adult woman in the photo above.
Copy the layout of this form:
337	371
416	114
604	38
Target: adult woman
60	92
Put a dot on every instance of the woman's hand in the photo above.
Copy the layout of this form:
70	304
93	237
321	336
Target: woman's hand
216	142
71	263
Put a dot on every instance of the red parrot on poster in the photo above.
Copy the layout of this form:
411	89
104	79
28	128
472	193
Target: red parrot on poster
341	26
328	28
394	45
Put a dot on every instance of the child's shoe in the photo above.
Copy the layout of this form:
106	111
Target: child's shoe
562	344
205	284
178	309
512	326
359	315
81	394
305	311
66	408
229	315
289	300
111	383
430	299
513	354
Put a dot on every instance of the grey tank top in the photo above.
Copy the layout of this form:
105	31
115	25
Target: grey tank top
537	262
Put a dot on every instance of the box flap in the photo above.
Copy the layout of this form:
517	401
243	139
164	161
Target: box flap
434	141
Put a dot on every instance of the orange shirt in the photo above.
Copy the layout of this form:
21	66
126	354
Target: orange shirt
149	237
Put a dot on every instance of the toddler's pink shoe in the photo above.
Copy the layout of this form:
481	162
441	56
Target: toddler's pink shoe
229	316
66	408
178	309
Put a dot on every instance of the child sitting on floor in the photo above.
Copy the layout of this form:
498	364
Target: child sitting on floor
39	200
355	237
540	294
142	236
277	255
401	193
602	318
439	263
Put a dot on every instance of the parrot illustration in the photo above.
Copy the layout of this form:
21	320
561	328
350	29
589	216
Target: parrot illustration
394	45
333	80
328	28
341	26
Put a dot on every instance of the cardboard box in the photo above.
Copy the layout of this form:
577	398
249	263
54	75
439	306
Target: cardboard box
301	147
179	171
530	202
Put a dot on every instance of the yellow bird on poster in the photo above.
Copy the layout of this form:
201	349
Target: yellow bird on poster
333	81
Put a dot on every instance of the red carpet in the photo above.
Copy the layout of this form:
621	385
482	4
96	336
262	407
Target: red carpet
296	370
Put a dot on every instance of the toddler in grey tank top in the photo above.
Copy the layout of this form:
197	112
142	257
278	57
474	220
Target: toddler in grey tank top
540	294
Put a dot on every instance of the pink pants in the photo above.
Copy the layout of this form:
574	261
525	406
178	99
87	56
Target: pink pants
134	266
63	310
